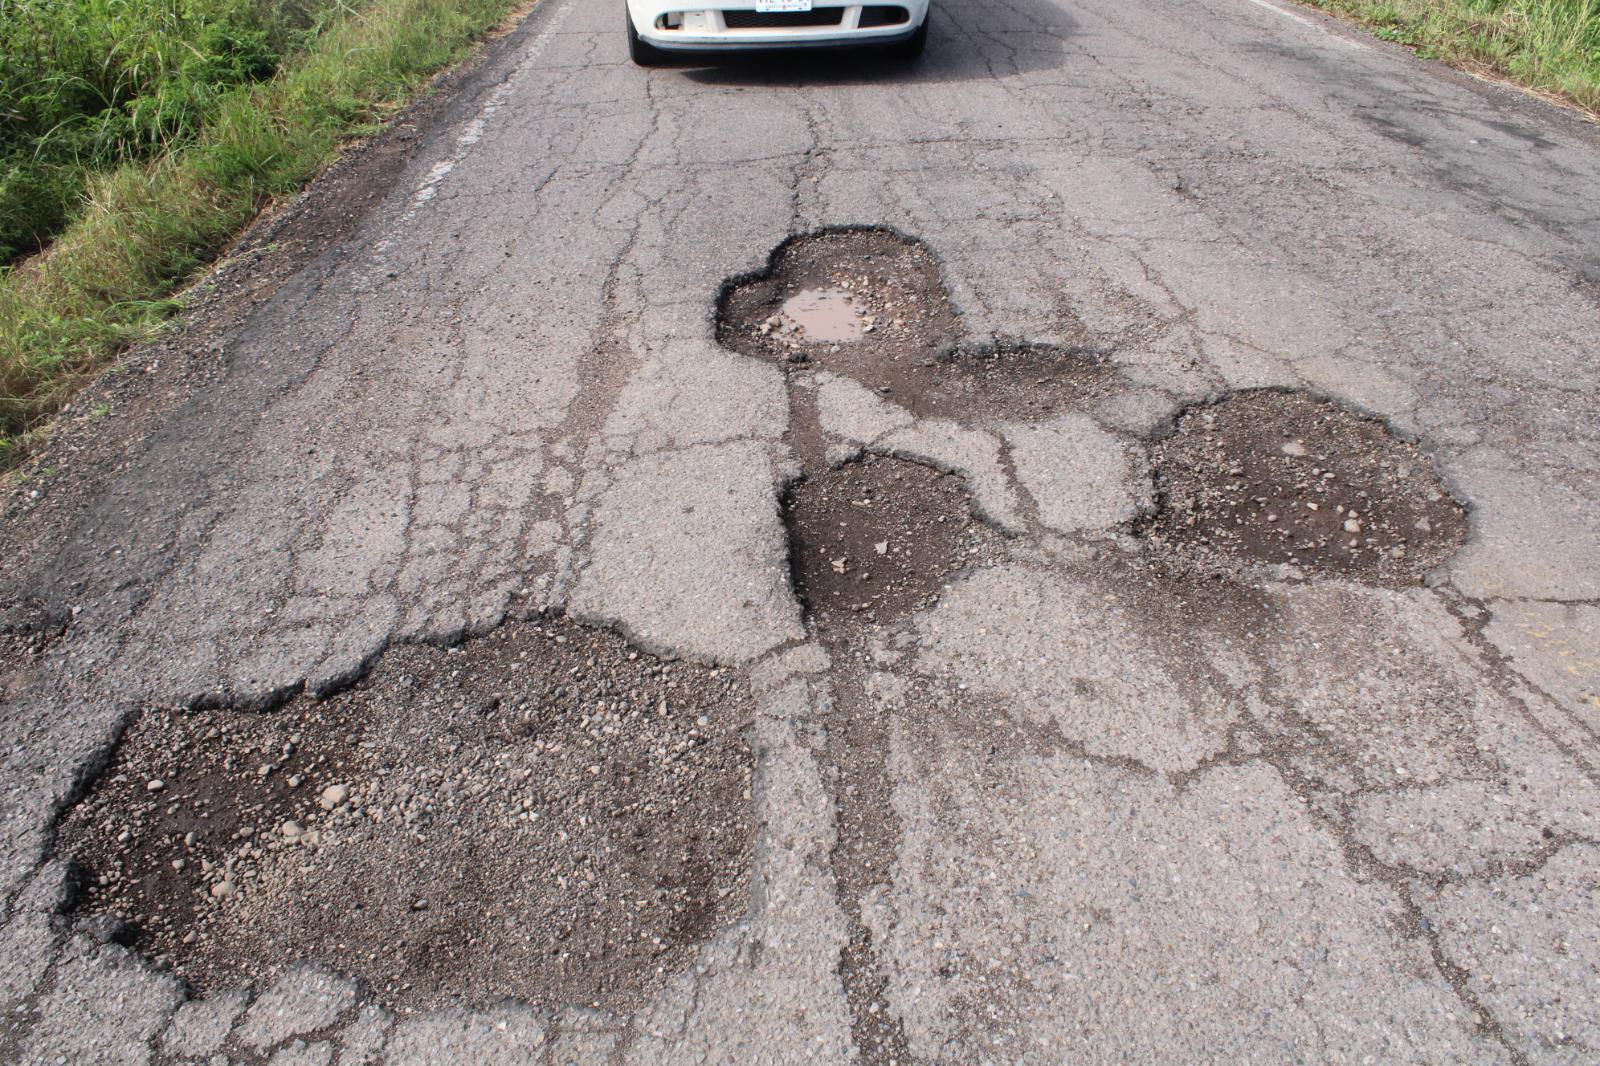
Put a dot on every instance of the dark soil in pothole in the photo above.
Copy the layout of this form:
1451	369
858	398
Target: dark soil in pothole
1014	382
18	654
891	284
885	292
874	540
541	813
1280	478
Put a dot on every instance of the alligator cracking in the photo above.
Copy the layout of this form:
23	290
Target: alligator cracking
546	814
1260	483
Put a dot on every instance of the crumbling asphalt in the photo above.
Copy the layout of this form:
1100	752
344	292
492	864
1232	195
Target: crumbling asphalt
472	496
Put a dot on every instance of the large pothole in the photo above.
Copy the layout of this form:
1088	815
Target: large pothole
541	813
871	306
875	540
1279	478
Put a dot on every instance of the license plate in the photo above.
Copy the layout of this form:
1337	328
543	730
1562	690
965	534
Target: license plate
765	6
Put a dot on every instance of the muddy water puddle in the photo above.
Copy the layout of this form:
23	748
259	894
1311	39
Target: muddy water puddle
822	316
1281	478
543	814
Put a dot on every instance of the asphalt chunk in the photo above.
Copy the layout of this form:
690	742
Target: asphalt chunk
542	813
1280	478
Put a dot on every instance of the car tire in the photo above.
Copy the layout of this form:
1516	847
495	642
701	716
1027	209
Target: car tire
643	53
912	47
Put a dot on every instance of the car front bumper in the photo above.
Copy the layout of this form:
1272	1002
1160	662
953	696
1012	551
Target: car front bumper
705	26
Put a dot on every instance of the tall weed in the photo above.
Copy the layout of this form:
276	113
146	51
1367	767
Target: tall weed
90	84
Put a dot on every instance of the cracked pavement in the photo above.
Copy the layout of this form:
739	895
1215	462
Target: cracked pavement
474	375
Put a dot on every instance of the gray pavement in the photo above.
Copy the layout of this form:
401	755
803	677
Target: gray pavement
1331	823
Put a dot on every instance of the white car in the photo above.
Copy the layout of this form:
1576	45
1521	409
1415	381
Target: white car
659	30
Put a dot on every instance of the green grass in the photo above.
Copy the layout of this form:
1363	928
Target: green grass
194	158
1552	46
86	85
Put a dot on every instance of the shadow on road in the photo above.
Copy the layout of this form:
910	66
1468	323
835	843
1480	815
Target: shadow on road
969	40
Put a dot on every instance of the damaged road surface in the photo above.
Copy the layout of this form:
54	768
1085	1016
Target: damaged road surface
538	813
1082	549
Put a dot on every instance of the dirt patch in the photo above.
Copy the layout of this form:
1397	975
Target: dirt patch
887	286
541	813
1015	382
874	540
1281	478
871	542
871	306
864	852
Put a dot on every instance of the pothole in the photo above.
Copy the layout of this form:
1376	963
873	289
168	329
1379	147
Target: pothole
874	540
870	284
541	813
1282	479
871	542
870	305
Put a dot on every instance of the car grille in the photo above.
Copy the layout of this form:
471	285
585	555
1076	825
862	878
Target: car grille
775	20
883	15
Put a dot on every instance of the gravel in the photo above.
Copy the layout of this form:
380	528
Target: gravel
542	813
1279	478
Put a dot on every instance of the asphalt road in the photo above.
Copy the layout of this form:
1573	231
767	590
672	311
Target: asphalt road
476	373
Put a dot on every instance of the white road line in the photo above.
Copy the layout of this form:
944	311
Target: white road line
473	133
1312	23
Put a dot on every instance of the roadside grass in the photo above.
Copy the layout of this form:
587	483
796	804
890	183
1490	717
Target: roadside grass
86	85
147	226
1550	46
